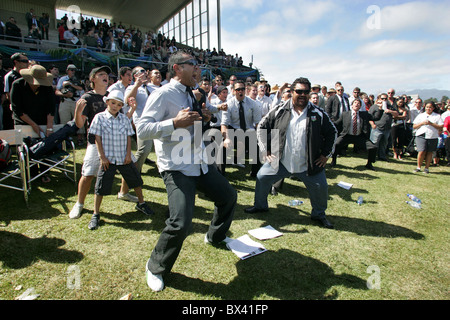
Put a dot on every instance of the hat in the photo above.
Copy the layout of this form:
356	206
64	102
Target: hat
275	89
262	80
315	86
115	95
97	70
37	75
71	66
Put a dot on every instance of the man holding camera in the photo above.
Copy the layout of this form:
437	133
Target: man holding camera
68	89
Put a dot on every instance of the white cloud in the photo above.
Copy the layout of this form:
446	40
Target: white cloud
394	47
428	16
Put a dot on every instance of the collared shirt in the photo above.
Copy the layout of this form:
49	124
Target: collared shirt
252	112
114	132
266	104
294	154
216	102
175	151
429	131
142	95
344	106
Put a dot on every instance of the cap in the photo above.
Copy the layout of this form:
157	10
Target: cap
37	75
97	70
115	95
71	66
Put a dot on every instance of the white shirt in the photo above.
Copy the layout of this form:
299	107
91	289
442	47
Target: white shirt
156	123
413	113
294	154
430	131
266	104
142	95
252	112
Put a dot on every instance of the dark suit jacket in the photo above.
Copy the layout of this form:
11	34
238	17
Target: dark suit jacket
333	107
347	123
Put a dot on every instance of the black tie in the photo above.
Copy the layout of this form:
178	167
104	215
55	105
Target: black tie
344	106
242	117
195	104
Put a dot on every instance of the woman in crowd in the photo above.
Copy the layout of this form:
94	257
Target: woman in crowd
398	129
427	126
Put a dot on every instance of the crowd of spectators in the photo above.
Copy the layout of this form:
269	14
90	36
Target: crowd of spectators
106	36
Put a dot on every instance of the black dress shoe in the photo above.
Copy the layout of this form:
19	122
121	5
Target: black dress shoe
324	221
370	167
254	210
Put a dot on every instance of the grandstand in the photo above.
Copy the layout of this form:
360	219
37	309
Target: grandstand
146	16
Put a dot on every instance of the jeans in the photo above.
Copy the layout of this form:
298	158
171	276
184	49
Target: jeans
380	138
181	198
316	185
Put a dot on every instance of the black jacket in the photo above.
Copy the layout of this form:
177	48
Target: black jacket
321	133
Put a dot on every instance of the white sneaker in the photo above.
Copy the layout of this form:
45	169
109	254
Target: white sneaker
224	241
154	281
75	213
127	197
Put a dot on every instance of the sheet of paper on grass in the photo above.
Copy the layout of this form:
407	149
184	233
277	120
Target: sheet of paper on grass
244	247
345	185
265	233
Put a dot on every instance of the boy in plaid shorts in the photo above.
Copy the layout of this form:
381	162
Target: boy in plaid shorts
113	132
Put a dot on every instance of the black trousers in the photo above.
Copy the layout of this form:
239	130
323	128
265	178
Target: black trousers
181	198
256	162
360	141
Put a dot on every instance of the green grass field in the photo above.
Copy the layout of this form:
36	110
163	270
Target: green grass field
401	251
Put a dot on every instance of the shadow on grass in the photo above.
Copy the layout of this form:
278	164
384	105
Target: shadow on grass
300	277
18	251
284	216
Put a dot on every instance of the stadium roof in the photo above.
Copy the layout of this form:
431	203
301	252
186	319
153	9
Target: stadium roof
151	14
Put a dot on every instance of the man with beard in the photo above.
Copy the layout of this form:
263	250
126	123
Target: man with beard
306	142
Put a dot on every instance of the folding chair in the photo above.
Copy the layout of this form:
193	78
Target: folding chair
17	169
58	160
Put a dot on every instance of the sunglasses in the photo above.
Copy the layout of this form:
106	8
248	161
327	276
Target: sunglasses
23	61
239	89
300	92
191	62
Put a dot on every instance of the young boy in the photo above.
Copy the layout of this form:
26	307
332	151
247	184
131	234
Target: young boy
113	132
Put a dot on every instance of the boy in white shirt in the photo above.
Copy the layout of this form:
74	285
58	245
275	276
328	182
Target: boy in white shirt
113	132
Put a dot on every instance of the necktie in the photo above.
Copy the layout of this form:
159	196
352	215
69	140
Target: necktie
242	117
344	107
355	123
195	105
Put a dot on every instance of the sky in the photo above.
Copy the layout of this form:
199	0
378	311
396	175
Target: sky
374	45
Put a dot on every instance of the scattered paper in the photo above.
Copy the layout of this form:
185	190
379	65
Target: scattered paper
127	297
265	233
345	185
29	294
244	247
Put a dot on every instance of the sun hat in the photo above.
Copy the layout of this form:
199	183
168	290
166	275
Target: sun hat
37	75
115	95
